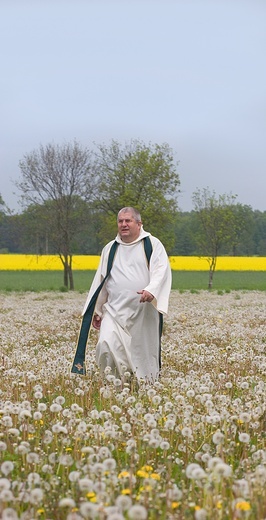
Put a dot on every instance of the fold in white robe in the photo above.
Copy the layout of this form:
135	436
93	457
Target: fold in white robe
129	336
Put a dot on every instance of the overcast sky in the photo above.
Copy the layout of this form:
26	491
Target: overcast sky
190	73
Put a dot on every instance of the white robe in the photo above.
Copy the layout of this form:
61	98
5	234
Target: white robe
129	335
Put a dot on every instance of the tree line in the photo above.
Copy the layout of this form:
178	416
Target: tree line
70	197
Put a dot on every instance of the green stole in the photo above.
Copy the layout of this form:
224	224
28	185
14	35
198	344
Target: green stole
78	366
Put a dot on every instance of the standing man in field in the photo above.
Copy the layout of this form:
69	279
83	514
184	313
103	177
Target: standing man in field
126	306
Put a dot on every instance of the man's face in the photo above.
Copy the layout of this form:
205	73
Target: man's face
128	228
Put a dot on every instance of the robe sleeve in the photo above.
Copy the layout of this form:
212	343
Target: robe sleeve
160	277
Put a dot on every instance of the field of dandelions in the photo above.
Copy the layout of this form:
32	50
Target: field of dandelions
191	446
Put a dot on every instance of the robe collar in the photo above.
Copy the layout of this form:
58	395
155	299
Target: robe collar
142	235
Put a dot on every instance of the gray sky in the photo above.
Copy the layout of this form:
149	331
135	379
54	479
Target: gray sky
190	73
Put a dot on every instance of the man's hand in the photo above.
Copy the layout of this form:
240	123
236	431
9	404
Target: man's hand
96	322
146	296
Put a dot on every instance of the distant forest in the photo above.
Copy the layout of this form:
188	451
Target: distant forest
71	196
19	233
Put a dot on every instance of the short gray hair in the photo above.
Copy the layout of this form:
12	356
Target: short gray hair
129	209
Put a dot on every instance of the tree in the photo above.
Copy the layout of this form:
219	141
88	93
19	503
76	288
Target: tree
2	208
216	225
184	236
242	229
2	221
57	181
141	176
260	232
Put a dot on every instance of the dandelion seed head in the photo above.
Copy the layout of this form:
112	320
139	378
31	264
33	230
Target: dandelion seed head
7	467
67	502
244	437
137	512
36	496
218	437
55	408
123	502
9	514
200	514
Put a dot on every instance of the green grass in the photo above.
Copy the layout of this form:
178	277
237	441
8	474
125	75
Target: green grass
182	280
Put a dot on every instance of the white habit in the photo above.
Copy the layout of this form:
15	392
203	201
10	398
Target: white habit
129	335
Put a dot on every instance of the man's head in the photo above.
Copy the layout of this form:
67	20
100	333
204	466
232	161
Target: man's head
129	224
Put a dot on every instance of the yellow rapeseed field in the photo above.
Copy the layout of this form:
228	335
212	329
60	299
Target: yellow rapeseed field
87	262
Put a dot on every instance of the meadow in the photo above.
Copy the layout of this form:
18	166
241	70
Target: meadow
182	280
189	446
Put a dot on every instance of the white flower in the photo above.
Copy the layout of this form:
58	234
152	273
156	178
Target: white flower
201	514
198	474
55	408
169	424
38	395
104	452
228	385
126	427
156	400
123	502
37	416
4	483
244	437
7	467
73	476
223	470
66	460
36	495
241	488
47	468
164	445
60	399
115	516
116	409
67	502
260	473
85	484
33	479
137	512
23	414
42	407
213	461
190	468
9	514
186	432
22	448
89	510
218	437
245	417
94	414
109	464
6	495
7	421
174	494
98	469
13	431
154	443
32	458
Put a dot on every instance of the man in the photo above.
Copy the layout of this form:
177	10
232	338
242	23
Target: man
131	302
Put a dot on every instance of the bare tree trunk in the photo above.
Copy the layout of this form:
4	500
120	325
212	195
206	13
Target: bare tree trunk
211	271
65	274
70	274
210	279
